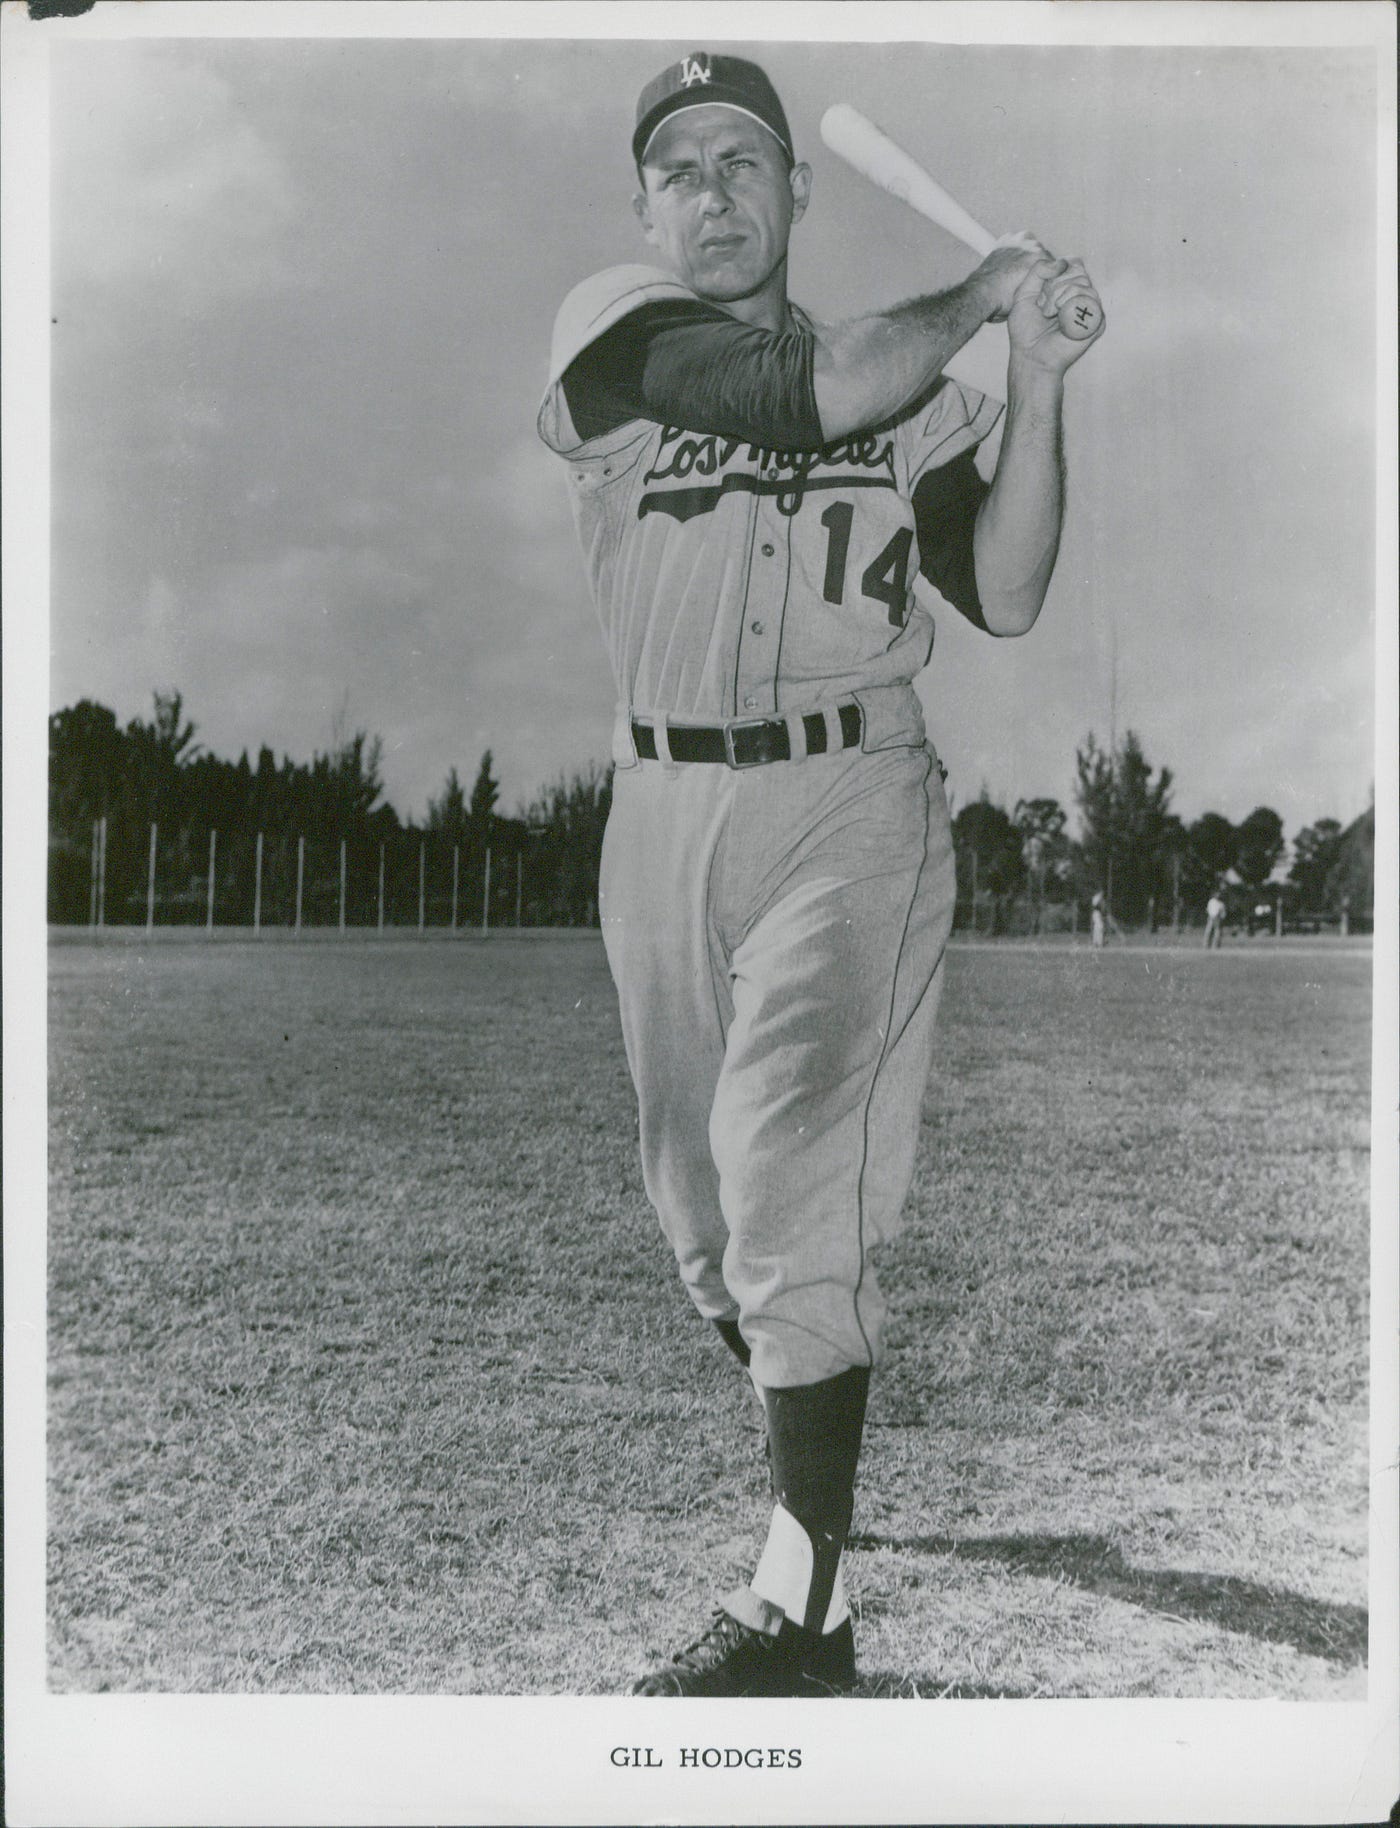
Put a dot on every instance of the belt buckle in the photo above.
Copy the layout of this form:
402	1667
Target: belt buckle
746	723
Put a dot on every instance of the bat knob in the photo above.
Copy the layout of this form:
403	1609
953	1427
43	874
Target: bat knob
1080	318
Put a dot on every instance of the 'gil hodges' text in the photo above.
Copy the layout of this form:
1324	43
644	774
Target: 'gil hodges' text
709	1758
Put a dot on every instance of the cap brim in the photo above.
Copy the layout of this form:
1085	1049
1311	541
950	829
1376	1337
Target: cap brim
679	104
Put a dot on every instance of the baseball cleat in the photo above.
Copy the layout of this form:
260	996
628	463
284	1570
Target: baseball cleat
732	1658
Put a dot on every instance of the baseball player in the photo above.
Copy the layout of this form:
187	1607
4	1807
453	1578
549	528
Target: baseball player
1215	921
770	510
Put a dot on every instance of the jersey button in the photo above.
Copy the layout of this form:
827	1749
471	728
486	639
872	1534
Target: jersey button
749	703
767	551
757	627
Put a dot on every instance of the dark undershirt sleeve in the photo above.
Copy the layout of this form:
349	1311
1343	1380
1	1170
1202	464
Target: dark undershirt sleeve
945	503
690	364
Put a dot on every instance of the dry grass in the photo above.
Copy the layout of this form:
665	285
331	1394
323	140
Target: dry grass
370	1372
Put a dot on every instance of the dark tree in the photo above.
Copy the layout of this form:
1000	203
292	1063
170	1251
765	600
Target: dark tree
986	832
87	754
1210	844
1207	852
988	852
448	814
1315	852
345	785
565	845
1258	846
486	790
1351	881
1045	846
1128	829
157	753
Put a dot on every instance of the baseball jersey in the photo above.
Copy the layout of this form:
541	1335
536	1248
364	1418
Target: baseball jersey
736	578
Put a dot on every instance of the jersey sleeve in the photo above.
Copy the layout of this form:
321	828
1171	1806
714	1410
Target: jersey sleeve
656	352
947	490
694	365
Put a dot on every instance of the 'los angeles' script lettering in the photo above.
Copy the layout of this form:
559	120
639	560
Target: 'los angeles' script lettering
682	454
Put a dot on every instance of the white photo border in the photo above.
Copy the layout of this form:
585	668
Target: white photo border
158	1759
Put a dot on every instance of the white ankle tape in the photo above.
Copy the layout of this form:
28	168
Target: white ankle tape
783	1576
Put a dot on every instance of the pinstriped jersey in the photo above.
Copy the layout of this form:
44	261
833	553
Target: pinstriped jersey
733	580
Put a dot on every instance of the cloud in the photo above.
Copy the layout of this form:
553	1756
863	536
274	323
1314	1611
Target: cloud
160	181
521	498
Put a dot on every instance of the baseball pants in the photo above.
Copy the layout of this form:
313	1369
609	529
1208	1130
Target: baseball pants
776	936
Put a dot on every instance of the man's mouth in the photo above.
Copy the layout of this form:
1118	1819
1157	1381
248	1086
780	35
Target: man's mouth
722	244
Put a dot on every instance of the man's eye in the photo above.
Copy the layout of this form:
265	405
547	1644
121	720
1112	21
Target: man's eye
679	177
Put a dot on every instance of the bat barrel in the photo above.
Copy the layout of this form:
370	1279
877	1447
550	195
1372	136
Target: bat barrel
871	152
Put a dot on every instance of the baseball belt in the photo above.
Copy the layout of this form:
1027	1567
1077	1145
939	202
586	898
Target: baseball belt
749	743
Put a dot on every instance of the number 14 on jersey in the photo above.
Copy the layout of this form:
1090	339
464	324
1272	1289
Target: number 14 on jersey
884	579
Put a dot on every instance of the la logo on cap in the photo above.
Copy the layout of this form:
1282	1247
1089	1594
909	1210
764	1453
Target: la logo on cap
693	71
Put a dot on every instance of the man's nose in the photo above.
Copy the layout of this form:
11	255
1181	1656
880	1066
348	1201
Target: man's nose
714	197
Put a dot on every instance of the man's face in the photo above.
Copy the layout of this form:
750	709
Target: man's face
719	201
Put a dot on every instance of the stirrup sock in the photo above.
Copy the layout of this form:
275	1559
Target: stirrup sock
814	1433
783	1576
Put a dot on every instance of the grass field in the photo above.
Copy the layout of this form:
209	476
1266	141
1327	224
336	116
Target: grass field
370	1371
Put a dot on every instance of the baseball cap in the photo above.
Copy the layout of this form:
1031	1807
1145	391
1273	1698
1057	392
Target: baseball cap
701	80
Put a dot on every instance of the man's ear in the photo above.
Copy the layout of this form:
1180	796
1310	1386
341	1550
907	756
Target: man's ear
800	180
642	210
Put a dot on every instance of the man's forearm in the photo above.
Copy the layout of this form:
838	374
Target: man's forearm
1018	526
866	369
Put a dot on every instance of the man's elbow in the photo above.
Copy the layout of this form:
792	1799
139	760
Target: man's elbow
1009	613
850	386
841	409
1013	574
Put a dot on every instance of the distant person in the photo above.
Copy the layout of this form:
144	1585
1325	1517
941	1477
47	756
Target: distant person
1098	920
1215	921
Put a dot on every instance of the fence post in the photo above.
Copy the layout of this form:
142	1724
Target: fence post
422	852
517	888
209	917
381	888
456	864
102	875
342	885
257	890
92	886
486	895
301	877
1278	916
151	883
1176	891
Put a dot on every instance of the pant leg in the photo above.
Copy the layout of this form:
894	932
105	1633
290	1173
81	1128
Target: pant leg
661	852
817	1108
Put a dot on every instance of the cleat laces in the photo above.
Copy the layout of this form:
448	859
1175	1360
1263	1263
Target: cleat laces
715	1645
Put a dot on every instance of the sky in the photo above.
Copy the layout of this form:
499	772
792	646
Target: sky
303	293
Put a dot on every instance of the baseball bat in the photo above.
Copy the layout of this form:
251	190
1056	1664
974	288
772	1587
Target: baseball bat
875	156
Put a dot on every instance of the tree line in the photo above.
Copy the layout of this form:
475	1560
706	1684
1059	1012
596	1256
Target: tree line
326	824
323	826
1153	868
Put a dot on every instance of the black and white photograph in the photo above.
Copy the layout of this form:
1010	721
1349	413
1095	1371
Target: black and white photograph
700	912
